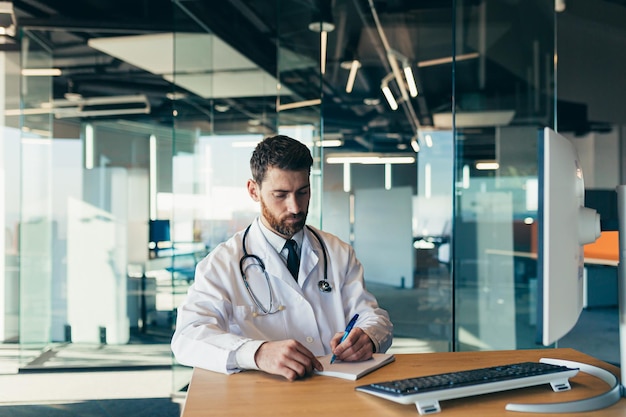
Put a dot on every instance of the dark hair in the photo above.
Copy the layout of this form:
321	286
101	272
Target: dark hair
280	152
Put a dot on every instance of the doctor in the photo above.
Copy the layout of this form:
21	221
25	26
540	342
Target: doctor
246	310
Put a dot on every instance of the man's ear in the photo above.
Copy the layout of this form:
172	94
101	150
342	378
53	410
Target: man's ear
253	190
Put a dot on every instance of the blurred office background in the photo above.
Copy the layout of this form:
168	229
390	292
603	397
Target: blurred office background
128	127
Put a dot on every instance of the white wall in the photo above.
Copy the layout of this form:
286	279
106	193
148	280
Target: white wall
383	235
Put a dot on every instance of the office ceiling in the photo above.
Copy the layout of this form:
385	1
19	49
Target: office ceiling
125	47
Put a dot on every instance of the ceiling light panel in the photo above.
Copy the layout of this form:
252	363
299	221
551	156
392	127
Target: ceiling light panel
223	72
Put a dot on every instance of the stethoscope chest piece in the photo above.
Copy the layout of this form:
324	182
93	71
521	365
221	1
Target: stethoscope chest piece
324	286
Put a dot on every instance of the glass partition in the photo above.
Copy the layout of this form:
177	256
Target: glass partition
37	228
433	238
496	119
84	229
10	184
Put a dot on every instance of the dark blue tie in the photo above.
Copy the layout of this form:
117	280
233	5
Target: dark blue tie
293	263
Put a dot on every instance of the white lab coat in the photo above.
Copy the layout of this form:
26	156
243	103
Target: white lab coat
218	314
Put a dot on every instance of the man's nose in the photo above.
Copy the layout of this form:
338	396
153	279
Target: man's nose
293	205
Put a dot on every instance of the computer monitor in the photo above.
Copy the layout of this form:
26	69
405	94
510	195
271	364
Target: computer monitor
565	225
159	236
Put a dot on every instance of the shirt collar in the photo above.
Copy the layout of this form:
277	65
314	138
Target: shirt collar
278	242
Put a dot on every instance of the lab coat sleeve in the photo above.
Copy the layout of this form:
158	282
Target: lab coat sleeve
202	337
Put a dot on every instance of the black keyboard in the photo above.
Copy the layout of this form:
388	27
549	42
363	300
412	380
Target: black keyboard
426	391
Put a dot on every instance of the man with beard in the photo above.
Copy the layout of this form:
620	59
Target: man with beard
246	310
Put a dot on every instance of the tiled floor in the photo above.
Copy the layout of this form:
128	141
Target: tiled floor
144	407
129	380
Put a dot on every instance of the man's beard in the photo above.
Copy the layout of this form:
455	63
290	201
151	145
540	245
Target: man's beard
279	225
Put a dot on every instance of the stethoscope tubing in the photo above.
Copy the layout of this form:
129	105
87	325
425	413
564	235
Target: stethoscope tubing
323	285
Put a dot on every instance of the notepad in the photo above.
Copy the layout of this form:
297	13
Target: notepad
353	370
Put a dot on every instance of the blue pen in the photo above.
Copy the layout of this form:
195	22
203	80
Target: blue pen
345	333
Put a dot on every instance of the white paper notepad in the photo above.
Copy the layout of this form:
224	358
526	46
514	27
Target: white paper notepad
353	370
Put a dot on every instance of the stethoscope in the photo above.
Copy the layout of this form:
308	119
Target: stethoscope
323	285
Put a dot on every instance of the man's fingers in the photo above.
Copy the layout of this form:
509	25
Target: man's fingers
334	342
309	359
356	347
358	352
287	358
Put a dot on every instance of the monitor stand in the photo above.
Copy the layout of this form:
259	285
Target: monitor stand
597	402
617	389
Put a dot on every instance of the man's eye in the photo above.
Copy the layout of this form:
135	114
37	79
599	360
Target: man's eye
280	195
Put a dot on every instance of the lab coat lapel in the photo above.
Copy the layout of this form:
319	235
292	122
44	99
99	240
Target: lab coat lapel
310	255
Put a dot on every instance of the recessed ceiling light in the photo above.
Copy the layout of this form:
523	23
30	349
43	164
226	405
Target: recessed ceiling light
176	95
371	101
73	96
346	64
41	72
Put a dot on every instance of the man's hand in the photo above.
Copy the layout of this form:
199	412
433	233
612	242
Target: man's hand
357	347
288	358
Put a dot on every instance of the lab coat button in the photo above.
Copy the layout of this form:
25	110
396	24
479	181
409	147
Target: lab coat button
309	339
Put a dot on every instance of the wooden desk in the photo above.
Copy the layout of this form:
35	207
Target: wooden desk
258	394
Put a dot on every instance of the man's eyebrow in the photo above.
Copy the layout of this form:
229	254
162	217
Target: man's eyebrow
278	190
